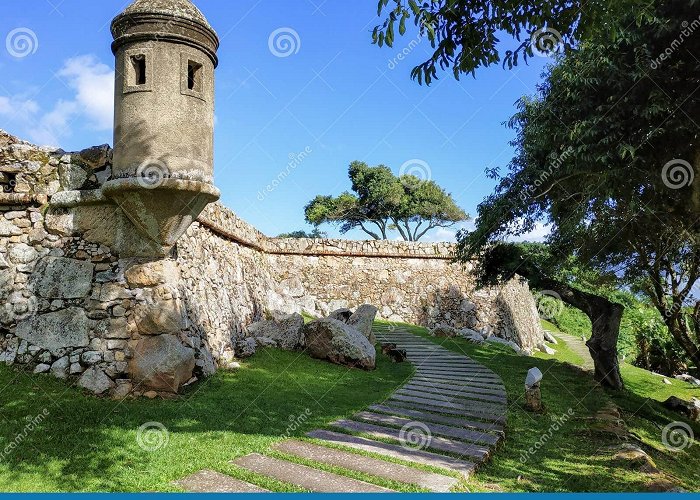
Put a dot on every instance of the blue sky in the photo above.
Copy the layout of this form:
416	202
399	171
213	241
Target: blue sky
335	97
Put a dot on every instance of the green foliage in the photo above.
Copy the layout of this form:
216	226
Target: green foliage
314	234
464	34
591	155
406	204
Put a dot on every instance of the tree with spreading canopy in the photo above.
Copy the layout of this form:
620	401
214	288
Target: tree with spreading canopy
382	202
606	153
466	34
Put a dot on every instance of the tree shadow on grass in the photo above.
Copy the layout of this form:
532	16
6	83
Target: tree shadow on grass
90	444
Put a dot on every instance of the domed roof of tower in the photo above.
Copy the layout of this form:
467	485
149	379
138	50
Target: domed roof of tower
178	8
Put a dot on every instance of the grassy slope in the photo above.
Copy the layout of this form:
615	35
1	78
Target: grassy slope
638	380
572	458
88	444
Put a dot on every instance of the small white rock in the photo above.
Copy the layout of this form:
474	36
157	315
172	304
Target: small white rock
534	376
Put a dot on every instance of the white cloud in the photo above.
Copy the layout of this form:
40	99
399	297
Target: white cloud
94	86
91	104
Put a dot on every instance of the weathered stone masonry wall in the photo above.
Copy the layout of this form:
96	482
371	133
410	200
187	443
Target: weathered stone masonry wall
73	305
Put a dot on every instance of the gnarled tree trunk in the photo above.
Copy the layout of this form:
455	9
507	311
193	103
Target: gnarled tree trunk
605	317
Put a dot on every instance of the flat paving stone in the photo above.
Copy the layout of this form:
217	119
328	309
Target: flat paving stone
373	466
463	378
305	477
489	407
424	416
465	393
209	481
421	404
495	391
423	457
460	433
474	452
478	383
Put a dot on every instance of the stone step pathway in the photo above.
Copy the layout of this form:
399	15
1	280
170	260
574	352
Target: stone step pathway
577	345
305	477
209	481
381	468
450	415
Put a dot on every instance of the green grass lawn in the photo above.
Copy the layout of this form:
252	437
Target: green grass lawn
89	444
570	456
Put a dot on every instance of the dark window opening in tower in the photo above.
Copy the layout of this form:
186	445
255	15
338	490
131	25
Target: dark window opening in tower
194	76
139	63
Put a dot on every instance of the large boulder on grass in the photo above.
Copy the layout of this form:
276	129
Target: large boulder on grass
363	319
282	330
339	343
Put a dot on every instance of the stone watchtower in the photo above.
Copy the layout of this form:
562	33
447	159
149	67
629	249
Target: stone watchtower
164	119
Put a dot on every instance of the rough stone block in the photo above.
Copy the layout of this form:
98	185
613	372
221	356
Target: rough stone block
62	278
57	330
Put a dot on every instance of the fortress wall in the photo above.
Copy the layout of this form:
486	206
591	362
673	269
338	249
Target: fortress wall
73	306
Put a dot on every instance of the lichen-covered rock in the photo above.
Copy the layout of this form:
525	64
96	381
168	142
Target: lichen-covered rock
363	319
246	348
95	381
284	330
62	278
341	314
57	330
161	363
339	343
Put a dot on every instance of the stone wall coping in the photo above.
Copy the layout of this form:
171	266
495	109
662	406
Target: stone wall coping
222	221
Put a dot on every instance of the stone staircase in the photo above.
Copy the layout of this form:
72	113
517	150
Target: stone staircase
450	415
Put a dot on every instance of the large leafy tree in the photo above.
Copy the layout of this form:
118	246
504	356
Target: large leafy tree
607	153
466	34
382	202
